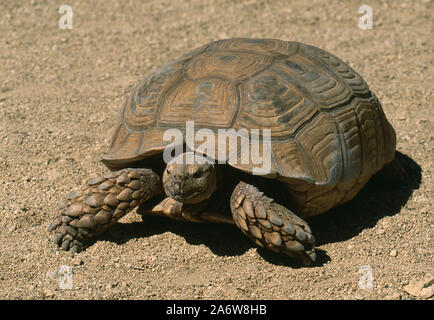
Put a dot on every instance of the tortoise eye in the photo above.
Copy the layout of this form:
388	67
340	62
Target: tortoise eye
197	174
168	171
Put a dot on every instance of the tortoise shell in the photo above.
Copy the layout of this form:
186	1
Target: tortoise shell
327	127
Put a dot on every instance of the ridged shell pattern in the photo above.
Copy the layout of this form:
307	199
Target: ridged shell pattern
327	127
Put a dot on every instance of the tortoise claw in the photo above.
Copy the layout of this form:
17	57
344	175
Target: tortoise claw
63	240
53	225
76	248
65	244
58	238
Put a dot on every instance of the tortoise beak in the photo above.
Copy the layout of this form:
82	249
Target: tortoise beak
176	188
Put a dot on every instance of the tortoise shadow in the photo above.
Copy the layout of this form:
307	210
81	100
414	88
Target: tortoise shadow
379	198
279	259
221	239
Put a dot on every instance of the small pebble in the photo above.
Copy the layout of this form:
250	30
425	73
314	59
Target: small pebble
77	261
393	253
423	288
424	211
380	231
46	292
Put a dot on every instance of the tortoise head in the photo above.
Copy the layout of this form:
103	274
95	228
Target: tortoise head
189	181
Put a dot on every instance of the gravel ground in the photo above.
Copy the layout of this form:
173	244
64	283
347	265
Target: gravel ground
59	94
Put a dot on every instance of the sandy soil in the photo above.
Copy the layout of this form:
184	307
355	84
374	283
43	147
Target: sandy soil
59	94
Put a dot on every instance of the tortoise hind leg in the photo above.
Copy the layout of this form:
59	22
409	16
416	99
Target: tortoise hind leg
101	203
271	225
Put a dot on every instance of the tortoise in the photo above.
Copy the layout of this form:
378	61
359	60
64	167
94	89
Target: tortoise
328	135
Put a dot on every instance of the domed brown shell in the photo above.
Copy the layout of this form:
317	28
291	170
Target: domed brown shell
326	125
